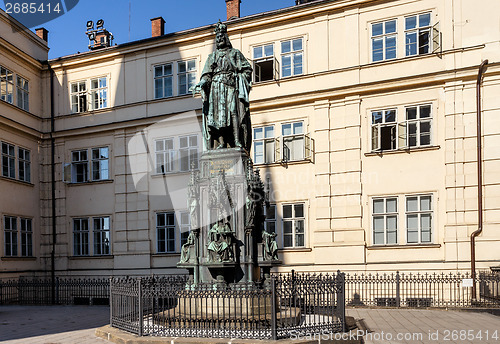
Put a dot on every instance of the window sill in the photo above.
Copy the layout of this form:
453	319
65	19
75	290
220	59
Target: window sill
16	181
402	246
7	259
104	256
166	254
173	173
408	150
282	163
295	249
107	181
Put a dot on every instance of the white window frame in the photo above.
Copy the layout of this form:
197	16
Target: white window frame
385	215
8	160
377	127
293	53
165	158
188	150
169	232
165	79
99	163
81	247
11	242
267	57
419	30
294	220
413	140
26	231
93	167
78	98
384	37
6	85
267	138
24	164
419	214
88	96
99	93
286	151
22	87
101	235
189	74
80	158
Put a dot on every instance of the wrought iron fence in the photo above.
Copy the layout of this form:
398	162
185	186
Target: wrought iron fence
445	290
171	306
64	291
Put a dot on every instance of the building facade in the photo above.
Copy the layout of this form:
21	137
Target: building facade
364	129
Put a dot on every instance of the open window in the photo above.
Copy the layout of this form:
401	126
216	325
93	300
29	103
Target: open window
294	144
384	132
265	65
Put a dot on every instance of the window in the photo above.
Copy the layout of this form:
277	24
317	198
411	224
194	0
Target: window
384	130
79	97
163	81
165	232
81	237
263	145
10	231
384	37
80	165
418	125
417	34
101	241
165	155
8	160
270	218
6	85
99	93
185	224
385	221
23	93
264	62
100	163
291	57
419	219
293	141
24	164
101	235
26	238
293	225
188	151
186	75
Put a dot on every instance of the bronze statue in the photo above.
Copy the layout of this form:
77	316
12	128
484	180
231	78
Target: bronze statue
224	86
270	246
186	248
220	242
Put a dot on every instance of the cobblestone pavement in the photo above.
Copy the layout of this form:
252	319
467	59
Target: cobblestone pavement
52	324
427	326
77	324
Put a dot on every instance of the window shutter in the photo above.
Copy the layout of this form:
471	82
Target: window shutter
66	173
375	138
308	147
276	69
277	149
436	39
402	132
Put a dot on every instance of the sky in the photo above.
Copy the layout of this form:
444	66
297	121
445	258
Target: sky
67	32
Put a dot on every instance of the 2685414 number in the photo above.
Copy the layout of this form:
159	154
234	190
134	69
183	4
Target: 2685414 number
30	7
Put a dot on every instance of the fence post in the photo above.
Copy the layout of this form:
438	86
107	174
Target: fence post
341	297
398	290
274	332
57	291
110	301
141	321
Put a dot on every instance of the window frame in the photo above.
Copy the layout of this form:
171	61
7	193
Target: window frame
22	93
292	53
271	140
26	236
265	58
290	138
184	227
419	213
418	30
99	94
81	97
385	215
11	242
7	79
384	37
24	164
188	74
10	159
83	243
418	121
167	230
85	98
192	153
376	129
293	219
163	77
165	153
89	164
100	235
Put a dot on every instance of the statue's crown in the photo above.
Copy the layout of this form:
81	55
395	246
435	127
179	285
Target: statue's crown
220	27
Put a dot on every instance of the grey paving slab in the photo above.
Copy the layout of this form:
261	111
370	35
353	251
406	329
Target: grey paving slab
427	326
52	324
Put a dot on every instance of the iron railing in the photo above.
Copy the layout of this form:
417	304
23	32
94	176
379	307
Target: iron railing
171	306
67	291
444	290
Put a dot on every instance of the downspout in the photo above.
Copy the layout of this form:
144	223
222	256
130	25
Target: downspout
53	188
473	236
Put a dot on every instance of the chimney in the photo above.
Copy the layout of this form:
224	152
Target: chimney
42	33
233	9
157	27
